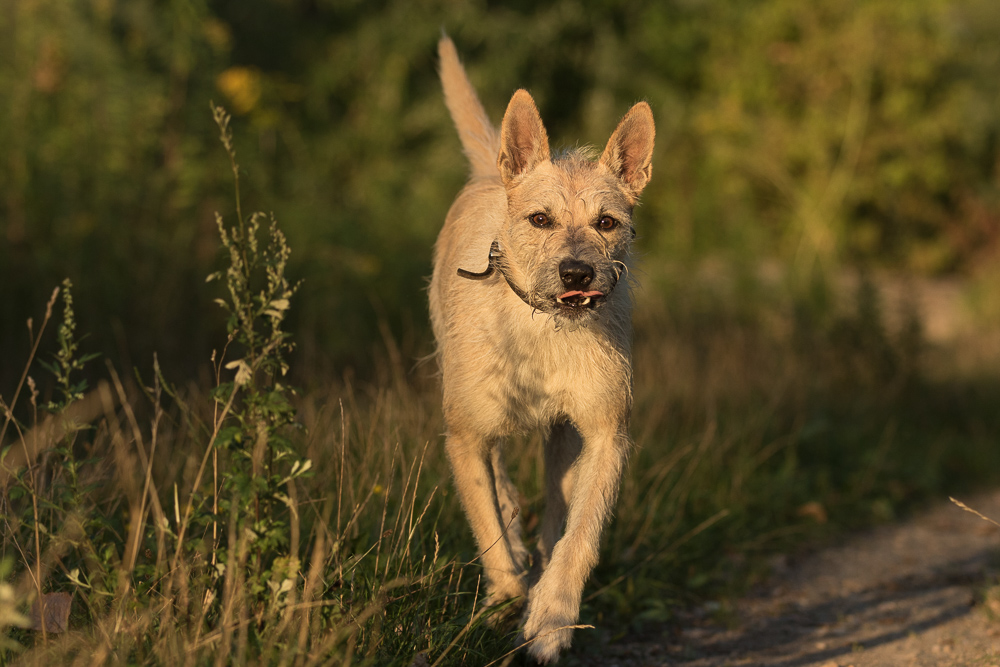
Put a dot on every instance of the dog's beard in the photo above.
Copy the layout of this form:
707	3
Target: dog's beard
572	321
565	317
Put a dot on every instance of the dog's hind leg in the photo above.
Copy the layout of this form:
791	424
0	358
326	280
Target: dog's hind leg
554	602
561	451
509	507
471	459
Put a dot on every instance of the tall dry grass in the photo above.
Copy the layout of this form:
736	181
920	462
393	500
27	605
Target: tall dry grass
759	423
238	521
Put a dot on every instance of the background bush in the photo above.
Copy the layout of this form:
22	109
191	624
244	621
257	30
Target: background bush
824	132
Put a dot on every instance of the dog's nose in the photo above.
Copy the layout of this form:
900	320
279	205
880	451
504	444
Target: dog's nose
575	275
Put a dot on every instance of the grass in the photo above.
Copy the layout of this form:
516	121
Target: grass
243	522
188	525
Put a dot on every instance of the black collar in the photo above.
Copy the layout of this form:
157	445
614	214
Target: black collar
495	264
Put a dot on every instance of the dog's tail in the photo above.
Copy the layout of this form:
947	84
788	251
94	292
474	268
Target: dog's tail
480	138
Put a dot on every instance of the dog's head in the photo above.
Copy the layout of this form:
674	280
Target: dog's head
569	219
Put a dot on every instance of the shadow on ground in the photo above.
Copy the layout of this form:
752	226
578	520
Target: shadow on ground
906	594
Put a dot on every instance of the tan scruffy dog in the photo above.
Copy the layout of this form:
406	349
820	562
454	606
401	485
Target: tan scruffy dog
531	308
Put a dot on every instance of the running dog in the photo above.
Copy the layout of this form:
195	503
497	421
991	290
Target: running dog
531	308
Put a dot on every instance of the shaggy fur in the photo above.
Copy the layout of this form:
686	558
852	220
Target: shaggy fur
557	359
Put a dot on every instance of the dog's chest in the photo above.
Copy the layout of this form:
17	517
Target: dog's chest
540	373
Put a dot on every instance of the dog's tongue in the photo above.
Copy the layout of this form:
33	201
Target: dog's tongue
569	295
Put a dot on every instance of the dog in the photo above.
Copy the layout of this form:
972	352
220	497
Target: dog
530	303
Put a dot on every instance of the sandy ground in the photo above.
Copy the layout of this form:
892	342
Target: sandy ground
904	594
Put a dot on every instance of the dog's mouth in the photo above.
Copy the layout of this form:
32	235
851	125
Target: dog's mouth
577	300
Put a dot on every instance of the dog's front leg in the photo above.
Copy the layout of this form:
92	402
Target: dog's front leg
554	602
471	462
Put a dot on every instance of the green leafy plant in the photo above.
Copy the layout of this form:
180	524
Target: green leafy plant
253	409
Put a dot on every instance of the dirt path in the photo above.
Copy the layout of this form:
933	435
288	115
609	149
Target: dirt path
906	594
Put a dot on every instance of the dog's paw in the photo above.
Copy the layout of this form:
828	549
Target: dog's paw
545	647
549	627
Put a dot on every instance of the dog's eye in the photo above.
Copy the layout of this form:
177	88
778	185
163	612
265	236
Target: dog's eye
606	223
539	220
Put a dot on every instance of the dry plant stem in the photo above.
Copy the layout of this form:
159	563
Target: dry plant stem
413	530
215	454
458	587
289	603
444	607
320	654
969	509
397	534
315	572
149	492
385	509
257	462
241	582
340	488
37	575
513	515
215	505
31	357
51	430
356	514
126	479
468	626
197	480
197	640
413	500
360	558
38	555
228	593
222	120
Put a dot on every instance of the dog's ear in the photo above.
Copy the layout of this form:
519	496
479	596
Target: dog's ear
629	153
523	141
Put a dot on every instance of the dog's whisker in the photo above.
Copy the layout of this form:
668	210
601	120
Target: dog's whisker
624	268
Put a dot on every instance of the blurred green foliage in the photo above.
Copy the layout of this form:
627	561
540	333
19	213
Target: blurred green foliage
810	133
